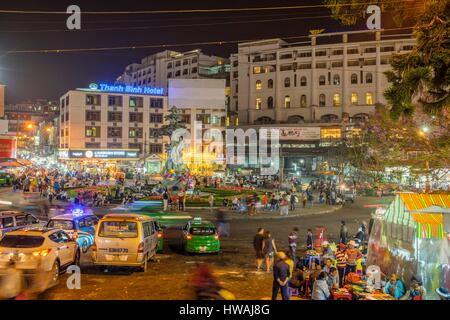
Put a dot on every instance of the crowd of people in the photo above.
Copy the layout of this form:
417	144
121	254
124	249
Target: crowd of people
320	271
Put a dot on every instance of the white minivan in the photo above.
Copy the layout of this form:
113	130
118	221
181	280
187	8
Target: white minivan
128	240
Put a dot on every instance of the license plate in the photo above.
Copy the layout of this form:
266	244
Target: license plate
118	250
202	249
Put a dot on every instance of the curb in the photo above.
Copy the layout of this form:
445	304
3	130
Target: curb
262	217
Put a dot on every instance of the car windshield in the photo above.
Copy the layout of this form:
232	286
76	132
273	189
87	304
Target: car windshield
61	224
202	231
20	241
118	229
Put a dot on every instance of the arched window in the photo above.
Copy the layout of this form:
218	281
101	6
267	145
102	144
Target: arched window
270	103
354	98
369	78
258	103
287	82
287	102
354	78
321	80
270	83
303	101
258	85
336	80
303	82
321	100
336	100
369	98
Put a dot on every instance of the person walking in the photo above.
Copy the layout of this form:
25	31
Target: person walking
292	201
292	240
258	240
304	199
266	201
341	263
211	200
165	200
281	275
343	233
284	207
269	249
309	240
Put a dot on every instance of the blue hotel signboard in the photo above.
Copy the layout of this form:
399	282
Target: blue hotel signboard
110	154
119	88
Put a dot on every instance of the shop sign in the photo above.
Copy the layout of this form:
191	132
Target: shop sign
103	87
299	133
99	154
8	148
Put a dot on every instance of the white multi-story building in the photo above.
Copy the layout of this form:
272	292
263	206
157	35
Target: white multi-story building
315	91
111	123
273	81
156	69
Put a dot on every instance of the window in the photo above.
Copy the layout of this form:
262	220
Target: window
321	53
185	118
8	222
185	71
115	101
62	132
370	62
156	103
194	70
321	65
304	54
354	78
303	82
352	51
204	118
258	85
369	98
354	98
258	103
269	84
321	80
135	116
336	80
235	74
93	116
92	145
369	78
287	82
286	56
154	133
321	100
194	60
92	132
156	118
93	99
407	48
387	49
303	101
370	50
336	100
114	132
136	102
177	63
67	116
178	73
155	148
135	133
114	116
185	62
257	70
270	103
287	102
62	103
135	146
304	66
337	52
114	145
169	75
337	64
286	67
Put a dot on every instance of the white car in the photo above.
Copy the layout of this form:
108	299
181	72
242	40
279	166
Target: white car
42	249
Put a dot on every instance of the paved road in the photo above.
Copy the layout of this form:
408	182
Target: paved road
169	277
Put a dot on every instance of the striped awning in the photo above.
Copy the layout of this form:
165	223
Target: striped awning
405	213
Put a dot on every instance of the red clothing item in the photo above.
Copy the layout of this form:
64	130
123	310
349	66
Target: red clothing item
352	256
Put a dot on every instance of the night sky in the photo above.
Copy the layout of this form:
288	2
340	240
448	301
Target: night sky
49	75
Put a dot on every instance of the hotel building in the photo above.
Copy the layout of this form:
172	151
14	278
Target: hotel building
322	88
97	126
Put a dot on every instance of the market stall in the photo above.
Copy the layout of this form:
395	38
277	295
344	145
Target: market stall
411	239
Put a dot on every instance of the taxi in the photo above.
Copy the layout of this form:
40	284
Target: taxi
200	236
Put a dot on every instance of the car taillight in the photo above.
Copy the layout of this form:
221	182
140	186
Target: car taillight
160	234
94	246
216	237
140	248
42	253
188	237
75	235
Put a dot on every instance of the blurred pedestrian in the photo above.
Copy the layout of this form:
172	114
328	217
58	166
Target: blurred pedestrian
281	275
